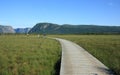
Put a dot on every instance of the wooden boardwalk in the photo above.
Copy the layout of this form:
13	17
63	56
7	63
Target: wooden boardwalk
77	61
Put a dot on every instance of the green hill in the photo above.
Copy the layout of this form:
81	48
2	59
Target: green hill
50	28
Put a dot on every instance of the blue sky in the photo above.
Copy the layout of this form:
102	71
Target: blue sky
26	13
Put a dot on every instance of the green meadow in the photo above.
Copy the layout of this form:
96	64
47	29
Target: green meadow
29	55
33	55
104	47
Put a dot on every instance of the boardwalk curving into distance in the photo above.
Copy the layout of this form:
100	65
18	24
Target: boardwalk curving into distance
77	61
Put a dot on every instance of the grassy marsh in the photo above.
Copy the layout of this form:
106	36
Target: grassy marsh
28	55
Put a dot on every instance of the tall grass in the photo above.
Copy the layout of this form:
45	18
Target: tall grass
104	47
28	55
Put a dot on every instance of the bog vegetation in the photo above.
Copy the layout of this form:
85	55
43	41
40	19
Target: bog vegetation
33	55
104	47
28	55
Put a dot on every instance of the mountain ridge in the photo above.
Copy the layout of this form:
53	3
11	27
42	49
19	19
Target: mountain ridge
50	28
6	29
22	30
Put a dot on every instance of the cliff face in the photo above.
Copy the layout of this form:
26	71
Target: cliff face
22	30
6	29
45	28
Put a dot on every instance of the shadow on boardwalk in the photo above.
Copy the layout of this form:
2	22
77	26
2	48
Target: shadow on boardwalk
109	71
